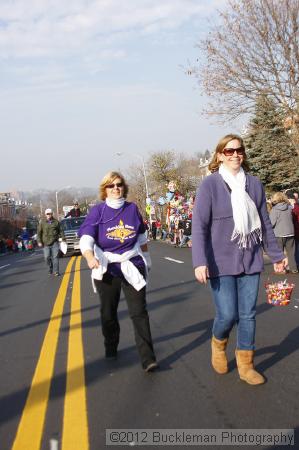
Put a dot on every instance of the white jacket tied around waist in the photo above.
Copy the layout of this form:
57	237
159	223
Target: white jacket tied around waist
129	270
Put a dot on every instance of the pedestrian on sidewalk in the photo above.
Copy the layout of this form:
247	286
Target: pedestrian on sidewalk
230	229
9	244
154	229
25	238
49	232
114	243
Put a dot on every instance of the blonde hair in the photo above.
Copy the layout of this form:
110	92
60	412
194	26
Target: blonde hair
215	163
108	179
269	205
279	197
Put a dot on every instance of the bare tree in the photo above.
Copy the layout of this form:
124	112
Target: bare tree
253	50
189	173
162	166
137	190
165	166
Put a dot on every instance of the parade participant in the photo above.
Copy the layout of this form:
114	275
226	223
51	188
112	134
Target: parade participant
230	229
114	243
49	232
75	211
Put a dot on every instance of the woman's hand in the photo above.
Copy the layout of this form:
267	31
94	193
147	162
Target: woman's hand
92	262
280	266
201	274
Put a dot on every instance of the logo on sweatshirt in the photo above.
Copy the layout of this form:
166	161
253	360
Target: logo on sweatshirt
120	232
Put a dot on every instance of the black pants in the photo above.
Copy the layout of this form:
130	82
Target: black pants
109	291
288	244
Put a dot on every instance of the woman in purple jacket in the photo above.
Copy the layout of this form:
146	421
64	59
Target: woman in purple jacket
114	243
230	229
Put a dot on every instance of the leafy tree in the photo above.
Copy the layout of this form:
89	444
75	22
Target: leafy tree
271	153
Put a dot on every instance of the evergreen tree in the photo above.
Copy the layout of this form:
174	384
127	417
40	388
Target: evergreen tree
271	153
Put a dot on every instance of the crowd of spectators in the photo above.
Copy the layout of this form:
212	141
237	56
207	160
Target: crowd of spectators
23	242
176	228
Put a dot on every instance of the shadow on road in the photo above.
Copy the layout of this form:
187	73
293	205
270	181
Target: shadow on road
16	283
288	345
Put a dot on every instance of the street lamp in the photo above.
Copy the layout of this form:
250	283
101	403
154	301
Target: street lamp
56	195
143	167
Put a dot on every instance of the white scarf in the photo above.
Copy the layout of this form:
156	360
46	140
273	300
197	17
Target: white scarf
115	203
247	221
129	270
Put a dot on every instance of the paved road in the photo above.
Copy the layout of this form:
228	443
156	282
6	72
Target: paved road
57	390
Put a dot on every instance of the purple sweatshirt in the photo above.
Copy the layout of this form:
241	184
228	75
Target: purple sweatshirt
115	230
213	224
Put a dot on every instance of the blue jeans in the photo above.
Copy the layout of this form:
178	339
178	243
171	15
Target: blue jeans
185	240
164	235
51	256
235	298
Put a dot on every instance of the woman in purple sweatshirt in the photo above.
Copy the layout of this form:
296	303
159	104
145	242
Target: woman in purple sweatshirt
114	243
230	229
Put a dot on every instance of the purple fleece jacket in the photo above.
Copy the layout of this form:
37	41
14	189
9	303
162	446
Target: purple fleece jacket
213	224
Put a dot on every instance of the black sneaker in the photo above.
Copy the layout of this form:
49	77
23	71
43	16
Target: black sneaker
56	274
151	367
50	272
111	354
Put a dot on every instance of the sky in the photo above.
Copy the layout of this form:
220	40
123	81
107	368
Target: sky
83	80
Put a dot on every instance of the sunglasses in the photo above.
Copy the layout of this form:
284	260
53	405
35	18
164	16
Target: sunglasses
111	186
230	151
48	214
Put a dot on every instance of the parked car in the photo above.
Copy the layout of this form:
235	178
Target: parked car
70	228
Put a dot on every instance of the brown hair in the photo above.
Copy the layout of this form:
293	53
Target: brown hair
279	197
108	179
215	163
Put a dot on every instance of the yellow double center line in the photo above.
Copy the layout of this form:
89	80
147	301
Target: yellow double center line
75	425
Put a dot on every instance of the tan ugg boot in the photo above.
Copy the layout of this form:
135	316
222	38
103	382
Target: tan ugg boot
246	369
219	360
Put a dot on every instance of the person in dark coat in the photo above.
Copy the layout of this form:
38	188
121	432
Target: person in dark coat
75	211
49	232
